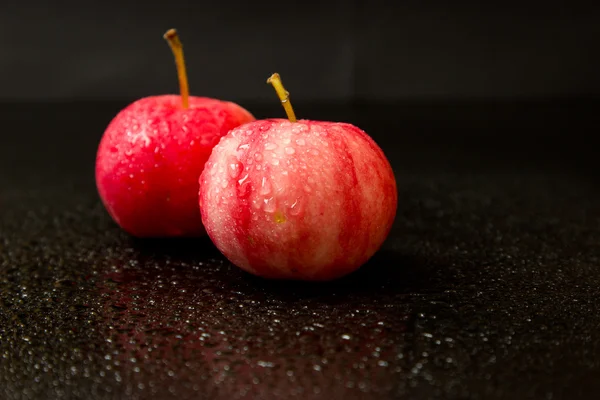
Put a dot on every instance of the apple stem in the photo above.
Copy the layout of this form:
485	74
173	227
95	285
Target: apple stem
283	95
173	39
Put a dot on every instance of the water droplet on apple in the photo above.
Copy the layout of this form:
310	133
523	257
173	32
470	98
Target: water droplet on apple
224	183
286	140
269	205
192	142
284	172
254	217
244	187
235	169
256	204
314	152
299	128
310	179
258	167
270	146
290	150
241	181
155	165
257	156
307	189
300	142
244	146
265	186
131	176
296	207
128	152
275	161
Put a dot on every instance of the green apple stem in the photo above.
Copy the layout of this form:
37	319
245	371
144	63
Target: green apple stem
283	95
173	39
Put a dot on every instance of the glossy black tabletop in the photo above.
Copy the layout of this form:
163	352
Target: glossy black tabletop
488	286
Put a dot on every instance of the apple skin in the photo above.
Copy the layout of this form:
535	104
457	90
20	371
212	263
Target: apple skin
306	200
150	157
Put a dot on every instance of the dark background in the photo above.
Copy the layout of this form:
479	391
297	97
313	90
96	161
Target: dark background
333	50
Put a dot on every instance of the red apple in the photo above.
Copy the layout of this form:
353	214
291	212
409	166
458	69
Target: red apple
305	200
152	153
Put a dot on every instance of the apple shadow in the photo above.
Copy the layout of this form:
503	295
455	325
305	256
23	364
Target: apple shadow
387	273
395	271
187	249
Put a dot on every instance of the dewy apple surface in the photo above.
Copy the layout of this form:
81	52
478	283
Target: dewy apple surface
152	153
305	199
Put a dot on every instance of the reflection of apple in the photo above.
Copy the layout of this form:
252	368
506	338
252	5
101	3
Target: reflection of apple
308	200
153	152
176	330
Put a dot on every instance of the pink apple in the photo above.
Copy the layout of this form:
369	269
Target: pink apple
152	153
305	200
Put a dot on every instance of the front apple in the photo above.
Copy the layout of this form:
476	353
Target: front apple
306	200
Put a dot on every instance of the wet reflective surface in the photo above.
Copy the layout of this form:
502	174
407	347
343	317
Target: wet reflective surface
486	288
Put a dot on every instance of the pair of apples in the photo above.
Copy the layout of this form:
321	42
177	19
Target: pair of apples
281	199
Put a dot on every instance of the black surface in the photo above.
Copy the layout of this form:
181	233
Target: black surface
487	288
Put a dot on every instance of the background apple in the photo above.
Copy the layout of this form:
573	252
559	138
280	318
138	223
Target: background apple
152	153
288	199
